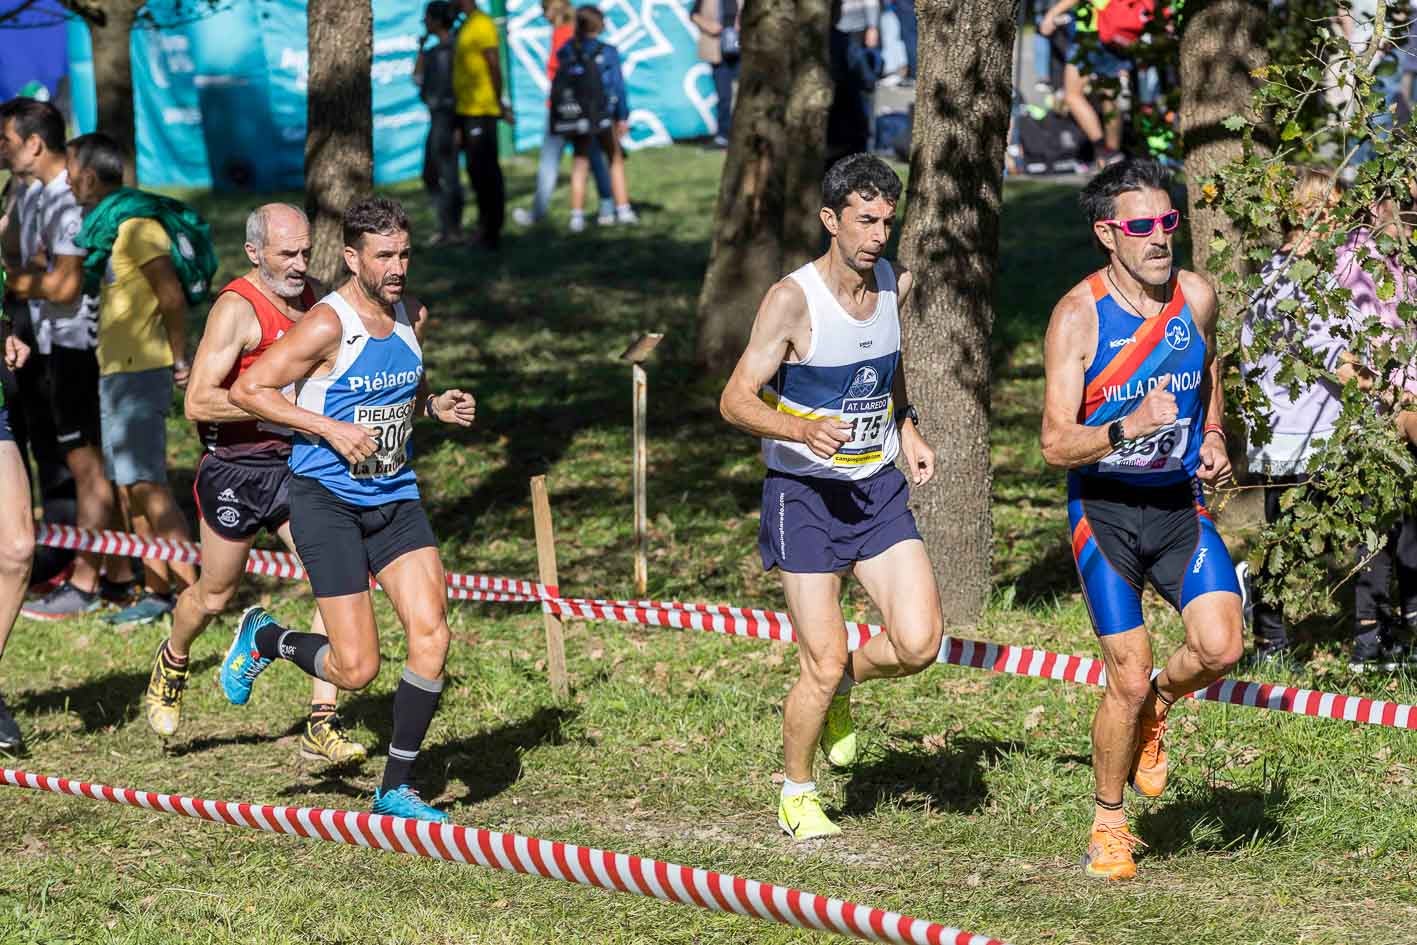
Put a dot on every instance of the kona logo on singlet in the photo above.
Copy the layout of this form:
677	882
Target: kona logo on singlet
1120	342
384	380
1178	333
864	383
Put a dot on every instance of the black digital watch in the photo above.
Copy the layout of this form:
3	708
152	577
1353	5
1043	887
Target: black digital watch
1115	436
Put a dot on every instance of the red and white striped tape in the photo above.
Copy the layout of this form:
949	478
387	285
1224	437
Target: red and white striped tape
587	866
279	564
995	657
772	625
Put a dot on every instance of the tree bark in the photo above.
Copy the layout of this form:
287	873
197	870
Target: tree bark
110	32
1222	42
779	128
951	243
339	137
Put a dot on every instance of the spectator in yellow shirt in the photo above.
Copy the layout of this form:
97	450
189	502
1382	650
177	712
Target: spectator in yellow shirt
477	94
142	352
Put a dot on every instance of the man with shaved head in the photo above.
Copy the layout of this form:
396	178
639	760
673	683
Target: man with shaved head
243	477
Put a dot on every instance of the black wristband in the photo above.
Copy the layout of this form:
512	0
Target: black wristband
428	408
1115	436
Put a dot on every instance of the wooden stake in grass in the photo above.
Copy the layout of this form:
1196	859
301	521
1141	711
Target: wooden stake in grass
546	564
639	382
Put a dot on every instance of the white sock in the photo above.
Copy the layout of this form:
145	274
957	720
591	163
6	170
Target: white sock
792	788
577	214
844	687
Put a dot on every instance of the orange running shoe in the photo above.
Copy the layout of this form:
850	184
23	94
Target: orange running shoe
1148	775
1109	854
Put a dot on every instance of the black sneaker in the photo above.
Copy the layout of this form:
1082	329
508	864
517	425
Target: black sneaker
1368	657
10	739
120	593
1399	656
1277	657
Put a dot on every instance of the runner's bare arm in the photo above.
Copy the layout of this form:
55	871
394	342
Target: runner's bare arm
919	457
61	284
451	406
1214	458
231	331
781	326
311	346
1069	343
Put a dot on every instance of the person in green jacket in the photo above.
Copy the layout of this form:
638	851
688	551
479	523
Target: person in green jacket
134	248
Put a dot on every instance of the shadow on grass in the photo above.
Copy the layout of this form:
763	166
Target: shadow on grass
948	780
113	700
1215	820
488	762
225	741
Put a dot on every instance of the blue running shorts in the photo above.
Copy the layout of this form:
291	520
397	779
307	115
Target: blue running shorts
813	525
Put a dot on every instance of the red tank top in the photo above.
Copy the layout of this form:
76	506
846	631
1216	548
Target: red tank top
245	438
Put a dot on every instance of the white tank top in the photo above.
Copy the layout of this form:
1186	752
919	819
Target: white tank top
847	372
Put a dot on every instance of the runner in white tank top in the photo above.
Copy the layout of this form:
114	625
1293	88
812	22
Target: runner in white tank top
822	383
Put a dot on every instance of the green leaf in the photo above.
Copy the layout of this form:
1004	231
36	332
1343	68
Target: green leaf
1233	123
1291	131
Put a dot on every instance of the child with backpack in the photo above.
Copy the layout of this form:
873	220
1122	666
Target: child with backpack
588	103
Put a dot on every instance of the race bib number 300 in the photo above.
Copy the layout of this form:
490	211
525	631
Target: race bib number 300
390	425
869	418
1160	452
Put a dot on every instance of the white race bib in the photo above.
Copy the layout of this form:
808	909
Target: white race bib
1158	452
391	425
870	418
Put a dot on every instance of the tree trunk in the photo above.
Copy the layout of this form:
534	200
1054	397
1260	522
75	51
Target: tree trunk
111	36
951	243
1222	41
779	121
808	102
339	137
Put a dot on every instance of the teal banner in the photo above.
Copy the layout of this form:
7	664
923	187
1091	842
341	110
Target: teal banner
220	97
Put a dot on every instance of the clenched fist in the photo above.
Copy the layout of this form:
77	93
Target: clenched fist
824	437
1157	410
352	441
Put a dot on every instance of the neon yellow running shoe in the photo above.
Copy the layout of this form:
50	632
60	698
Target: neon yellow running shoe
838	739
325	740
802	817
162	703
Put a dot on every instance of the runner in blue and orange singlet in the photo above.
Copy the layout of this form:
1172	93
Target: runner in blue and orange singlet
1134	409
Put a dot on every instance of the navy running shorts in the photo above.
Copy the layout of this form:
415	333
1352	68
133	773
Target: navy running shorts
341	544
6	434
812	525
239	496
1123	534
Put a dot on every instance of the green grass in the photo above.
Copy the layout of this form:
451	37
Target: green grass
970	804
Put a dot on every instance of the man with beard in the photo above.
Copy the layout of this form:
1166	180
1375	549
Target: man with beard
356	359
243	478
1133	409
822	382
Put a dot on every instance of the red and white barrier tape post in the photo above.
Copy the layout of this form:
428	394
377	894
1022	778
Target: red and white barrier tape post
994	657
586	866
770	625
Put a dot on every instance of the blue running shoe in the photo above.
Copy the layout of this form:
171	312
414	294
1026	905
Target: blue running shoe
403	801
243	663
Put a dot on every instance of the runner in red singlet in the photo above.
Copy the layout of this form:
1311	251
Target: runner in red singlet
244	474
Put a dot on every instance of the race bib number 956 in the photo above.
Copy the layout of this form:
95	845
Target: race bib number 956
1160	452
390	425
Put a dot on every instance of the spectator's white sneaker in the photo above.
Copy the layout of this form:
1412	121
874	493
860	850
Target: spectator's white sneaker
521	216
626	216
606	217
577	224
